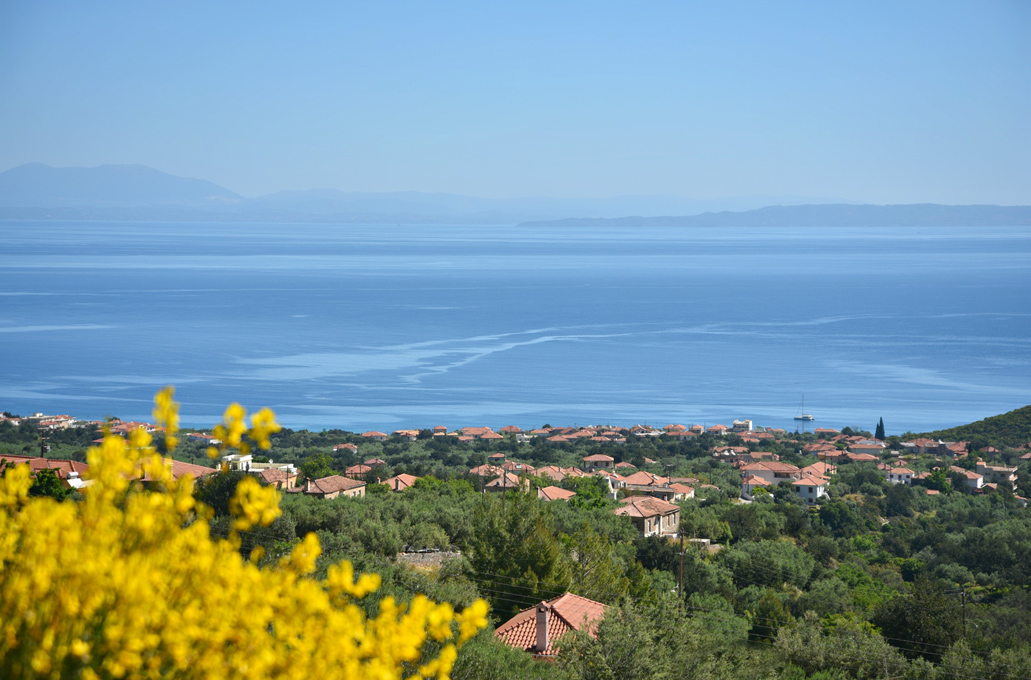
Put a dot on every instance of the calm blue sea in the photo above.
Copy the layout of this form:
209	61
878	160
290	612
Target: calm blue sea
364	327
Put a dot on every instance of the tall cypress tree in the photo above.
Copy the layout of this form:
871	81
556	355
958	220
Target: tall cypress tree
880	430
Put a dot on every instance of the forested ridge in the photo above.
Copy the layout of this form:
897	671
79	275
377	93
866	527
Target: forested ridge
1008	429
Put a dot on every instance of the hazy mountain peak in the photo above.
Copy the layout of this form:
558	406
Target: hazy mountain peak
40	185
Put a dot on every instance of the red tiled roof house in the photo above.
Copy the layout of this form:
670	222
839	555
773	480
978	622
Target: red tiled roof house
536	629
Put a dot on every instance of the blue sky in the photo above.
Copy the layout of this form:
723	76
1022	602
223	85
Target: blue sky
884	102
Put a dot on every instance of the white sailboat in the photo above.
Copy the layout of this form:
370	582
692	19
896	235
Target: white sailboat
802	415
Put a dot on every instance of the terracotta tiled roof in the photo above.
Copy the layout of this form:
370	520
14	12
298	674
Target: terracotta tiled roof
334	483
373	433
357	470
752	480
274	476
401	482
770	465
811	480
969	474
645	506
180	468
373	462
510	429
506	481
485	470
514	466
60	467
646	478
554	493
599	458
820	468
553	471
567	612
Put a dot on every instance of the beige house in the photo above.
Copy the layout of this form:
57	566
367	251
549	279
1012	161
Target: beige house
599	461
651	516
998	474
333	486
772	471
869	447
281	479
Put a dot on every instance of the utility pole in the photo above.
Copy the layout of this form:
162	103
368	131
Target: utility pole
964	611
680	581
962	592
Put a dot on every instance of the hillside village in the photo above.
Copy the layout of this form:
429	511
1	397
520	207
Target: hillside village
912	462
747	524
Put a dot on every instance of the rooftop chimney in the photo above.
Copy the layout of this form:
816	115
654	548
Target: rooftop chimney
543	618
307	486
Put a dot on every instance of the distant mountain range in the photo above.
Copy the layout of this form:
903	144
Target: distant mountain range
829	215
140	193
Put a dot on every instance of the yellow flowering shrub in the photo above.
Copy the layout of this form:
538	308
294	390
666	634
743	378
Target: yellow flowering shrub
129	583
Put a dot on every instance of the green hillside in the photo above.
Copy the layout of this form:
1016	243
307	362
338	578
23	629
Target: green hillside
1008	429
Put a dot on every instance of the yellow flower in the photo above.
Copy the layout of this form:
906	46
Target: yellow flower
15	485
263	424
129	583
253	504
166	414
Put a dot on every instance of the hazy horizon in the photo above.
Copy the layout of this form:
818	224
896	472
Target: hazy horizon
325	188
877	103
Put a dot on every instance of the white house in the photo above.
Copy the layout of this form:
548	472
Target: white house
900	475
741	425
972	479
811	487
